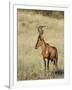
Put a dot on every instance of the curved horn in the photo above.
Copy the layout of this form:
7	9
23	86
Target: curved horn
40	30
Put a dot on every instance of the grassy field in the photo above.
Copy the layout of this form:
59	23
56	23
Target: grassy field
30	65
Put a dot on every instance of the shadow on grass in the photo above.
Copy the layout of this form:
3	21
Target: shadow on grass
58	74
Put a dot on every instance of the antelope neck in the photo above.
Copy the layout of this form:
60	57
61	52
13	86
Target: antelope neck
43	46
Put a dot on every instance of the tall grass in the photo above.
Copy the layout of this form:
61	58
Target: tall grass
30	65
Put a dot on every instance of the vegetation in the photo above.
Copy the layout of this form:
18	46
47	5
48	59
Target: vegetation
30	65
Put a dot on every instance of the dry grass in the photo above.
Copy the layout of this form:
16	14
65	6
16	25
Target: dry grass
29	63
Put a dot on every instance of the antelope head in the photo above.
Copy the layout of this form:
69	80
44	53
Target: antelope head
40	37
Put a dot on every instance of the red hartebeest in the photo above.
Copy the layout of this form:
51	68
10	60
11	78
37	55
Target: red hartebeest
48	52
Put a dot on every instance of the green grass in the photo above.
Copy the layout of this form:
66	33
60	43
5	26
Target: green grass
30	65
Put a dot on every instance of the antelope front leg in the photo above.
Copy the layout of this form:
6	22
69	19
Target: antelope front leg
48	65
44	65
